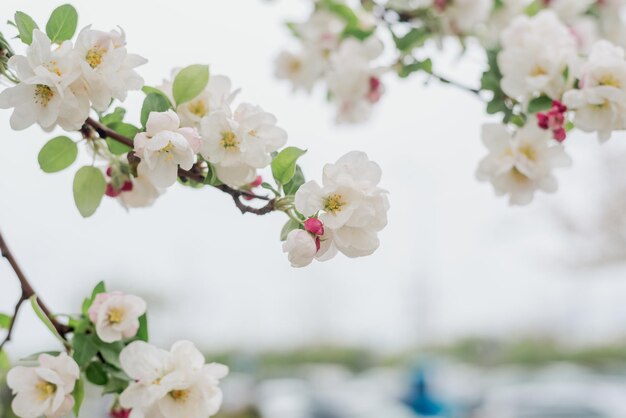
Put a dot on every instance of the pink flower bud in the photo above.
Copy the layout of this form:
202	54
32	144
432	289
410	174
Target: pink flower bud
314	226
257	182
111	191
109	171
119	413
127	186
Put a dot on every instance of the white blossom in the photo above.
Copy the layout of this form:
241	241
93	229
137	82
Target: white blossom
322	31
46	93
353	82
44	390
238	144
518	164
108	69
143	194
170	384
600	101
218	95
350	204
303	69
536	51
116	315
164	147
464	16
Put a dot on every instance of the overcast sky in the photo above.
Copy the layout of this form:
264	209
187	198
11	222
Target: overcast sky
454	260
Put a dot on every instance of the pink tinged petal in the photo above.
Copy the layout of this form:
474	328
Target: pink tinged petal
192	136
27	404
162	121
309	198
22	378
65	407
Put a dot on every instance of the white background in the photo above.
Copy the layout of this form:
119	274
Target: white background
454	260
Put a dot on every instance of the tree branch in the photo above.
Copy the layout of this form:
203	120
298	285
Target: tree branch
195	174
27	293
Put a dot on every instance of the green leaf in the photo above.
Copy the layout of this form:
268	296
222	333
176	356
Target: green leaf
79	396
190	82
154	102
100	288
287	228
5	363
44	318
96	374
496	106
142	332
407	69
539	104
115	385
85	349
62	23
110	351
58	154
342	11
293	28
5	321
296	181
284	165
116	116
89	187
211	177
148	90
357	33
126	129
25	26
414	38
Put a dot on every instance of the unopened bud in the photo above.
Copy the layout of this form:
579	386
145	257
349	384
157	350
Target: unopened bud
314	226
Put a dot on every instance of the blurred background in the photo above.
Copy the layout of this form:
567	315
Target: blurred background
470	308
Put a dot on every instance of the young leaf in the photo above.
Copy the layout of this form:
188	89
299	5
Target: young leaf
284	165
25	26
44	318
190	82
111	352
62	23
287	228
89	187
126	129
116	116
142	332
5	321
96	374
294	184
58	154
154	102
539	104
148	90
79	396
85	348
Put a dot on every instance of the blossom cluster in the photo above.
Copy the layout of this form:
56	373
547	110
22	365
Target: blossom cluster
191	129
341	51
108	349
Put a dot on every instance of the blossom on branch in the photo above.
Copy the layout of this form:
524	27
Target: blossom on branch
46	389
116	315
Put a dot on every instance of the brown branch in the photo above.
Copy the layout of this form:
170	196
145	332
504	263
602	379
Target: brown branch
27	293
196	173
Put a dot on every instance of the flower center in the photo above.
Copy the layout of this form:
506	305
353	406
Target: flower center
180	395
229	141
528	152
609	80
53	67
43	94
94	56
198	108
295	65
538	70
518	176
45	390
334	203
115	315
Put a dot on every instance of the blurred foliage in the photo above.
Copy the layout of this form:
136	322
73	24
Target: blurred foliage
248	413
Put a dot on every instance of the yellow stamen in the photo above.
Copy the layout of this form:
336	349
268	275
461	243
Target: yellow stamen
45	390
115	315
538	70
295	65
334	203
529	152
518	176
94	56
229	141
609	80
198	108
43	94
180	395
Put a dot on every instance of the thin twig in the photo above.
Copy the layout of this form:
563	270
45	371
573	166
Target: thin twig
455	84
27	293
196	174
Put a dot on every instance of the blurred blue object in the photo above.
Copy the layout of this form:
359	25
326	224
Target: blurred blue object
420	399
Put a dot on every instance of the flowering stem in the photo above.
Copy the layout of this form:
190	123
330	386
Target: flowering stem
455	84
27	293
194	174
